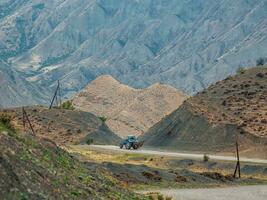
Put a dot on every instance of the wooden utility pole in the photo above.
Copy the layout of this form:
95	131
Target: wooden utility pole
26	119
237	168
57	95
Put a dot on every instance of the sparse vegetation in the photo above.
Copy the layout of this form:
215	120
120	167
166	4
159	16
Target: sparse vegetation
206	158
103	118
67	105
261	61
37	162
240	71
158	196
5	120
89	141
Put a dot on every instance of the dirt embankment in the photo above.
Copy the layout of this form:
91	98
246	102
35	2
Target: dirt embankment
64	126
212	120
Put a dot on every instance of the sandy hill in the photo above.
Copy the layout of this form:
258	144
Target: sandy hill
213	119
128	110
64	126
34	168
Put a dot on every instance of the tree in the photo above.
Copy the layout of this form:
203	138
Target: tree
261	61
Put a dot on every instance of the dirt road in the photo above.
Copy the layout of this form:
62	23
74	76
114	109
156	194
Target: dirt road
235	193
116	149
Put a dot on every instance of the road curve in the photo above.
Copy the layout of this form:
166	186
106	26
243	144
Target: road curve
171	154
235	193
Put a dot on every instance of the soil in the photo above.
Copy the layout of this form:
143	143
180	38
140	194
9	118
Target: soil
212	120
64	126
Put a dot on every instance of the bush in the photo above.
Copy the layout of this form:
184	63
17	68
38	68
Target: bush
206	158
261	61
67	105
6	119
160	197
89	141
240	71
102	118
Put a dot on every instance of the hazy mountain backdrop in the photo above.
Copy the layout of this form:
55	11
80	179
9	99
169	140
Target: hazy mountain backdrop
188	44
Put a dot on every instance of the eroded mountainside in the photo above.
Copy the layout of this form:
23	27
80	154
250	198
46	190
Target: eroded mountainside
128	110
64	126
212	119
188	44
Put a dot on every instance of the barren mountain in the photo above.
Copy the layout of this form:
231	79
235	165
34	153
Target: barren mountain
232	108
188	44
128	110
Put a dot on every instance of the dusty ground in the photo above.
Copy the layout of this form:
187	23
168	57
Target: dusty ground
129	111
116	149
63	126
144	171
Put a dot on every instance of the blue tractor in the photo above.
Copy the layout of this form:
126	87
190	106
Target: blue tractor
131	142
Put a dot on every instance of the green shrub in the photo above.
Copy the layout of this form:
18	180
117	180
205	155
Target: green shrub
5	120
206	158
102	118
261	61
240	71
89	141
160	197
67	105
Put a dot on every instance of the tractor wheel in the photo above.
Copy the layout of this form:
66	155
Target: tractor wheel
128	146
121	146
135	146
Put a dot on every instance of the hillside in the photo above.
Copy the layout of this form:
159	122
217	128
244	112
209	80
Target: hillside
15	90
188	44
64	126
128	110
212	119
32	168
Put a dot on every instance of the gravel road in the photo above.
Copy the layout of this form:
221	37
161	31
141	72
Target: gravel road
232	193
170	154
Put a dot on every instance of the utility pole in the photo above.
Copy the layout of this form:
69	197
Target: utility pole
57	95
237	168
26	119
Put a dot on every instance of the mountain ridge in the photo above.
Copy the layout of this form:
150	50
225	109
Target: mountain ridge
186	44
128	110
214	119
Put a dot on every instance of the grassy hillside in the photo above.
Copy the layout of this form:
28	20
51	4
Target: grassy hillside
213	119
32	168
65	126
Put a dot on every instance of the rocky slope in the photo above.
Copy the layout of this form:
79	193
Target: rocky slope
186	44
15	90
213	119
128	110
31	168
64	126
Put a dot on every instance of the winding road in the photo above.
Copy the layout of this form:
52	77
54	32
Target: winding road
170	154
